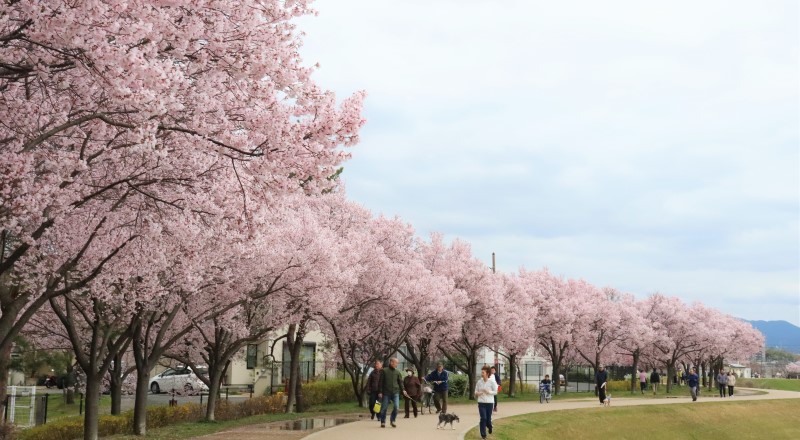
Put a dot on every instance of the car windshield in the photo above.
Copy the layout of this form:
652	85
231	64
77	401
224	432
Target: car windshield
201	370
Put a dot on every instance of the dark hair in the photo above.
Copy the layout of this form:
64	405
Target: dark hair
487	369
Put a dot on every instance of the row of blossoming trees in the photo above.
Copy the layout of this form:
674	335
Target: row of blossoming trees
169	188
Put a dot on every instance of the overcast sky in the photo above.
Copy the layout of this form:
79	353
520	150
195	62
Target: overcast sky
648	146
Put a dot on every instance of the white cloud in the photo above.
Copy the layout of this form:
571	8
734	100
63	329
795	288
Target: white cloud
648	146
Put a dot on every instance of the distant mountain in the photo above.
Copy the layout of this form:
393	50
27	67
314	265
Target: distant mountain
780	334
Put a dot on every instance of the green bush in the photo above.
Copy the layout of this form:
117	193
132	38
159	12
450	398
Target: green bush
457	385
251	407
329	391
619	385
520	387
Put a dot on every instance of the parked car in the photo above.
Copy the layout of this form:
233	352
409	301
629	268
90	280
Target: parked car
181	379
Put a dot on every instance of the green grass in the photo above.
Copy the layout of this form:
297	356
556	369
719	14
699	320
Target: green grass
773	419
770	384
57	408
195	429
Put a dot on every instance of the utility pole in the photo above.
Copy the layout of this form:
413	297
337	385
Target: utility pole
496	355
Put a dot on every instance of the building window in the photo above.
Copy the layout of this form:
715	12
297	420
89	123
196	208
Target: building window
252	356
308	357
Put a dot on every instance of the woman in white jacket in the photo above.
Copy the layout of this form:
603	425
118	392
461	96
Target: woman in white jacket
485	390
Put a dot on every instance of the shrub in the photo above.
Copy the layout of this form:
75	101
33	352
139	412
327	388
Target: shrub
250	407
520	386
329	391
458	384
618	386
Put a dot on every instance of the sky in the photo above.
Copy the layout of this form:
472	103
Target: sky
646	146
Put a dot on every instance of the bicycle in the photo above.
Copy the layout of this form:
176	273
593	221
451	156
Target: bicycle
427	397
544	393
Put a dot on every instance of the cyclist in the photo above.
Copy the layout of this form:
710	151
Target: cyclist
544	385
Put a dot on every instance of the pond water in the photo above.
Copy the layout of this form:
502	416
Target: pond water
309	424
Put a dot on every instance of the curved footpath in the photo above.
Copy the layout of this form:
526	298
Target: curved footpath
424	427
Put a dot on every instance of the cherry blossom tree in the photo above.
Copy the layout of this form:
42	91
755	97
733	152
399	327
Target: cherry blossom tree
112	107
684	332
483	289
638	333
517	334
556	318
599	326
379	312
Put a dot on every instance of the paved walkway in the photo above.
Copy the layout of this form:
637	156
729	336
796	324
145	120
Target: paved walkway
424	427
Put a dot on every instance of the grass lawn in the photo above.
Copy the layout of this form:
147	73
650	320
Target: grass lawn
773	419
56	408
194	429
770	384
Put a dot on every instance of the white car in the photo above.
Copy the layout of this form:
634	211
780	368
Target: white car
181	379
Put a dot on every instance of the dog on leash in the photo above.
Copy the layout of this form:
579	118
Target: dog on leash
607	402
444	419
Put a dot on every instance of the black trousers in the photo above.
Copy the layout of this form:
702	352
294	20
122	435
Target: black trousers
413	404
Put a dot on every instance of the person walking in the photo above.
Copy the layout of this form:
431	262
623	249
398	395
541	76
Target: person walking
496	377
391	387
655	379
413	390
438	378
731	382
601	381
722	383
373	387
693	380
485	390
642	380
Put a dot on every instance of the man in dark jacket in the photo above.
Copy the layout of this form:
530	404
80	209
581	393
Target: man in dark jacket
601	380
693	380
438	378
655	379
413	390
373	387
391	387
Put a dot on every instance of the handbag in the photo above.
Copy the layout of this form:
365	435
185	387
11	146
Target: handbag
377	407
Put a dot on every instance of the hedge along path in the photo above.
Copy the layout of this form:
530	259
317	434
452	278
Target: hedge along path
424	427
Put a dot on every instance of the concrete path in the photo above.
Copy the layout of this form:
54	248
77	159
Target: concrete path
424	427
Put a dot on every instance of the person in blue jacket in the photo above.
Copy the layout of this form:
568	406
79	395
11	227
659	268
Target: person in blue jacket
693	380
438	378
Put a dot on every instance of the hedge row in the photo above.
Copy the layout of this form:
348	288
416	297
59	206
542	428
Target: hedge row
329	391
157	417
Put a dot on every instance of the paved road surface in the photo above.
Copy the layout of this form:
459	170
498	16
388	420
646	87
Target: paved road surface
424	427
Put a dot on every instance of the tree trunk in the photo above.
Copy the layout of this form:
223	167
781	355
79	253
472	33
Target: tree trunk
5	360
140	402
91	415
295	343
472	363
215	378
634	379
670	373
116	385
69	384
512	378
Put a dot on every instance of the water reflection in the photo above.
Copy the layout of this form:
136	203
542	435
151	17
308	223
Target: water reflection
309	424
